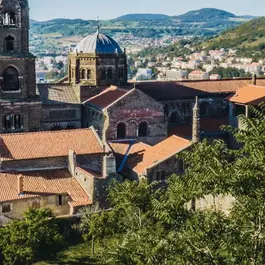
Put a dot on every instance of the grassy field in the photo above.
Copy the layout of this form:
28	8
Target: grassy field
76	255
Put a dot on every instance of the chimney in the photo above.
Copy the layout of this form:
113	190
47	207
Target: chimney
109	165
20	187
72	162
196	122
254	80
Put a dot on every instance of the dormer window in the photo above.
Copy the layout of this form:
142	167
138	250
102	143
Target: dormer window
9	44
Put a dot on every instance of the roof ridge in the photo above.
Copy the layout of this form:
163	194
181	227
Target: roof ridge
45	132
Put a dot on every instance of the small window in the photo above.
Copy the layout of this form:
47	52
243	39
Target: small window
121	131
143	129
109	74
83	74
6	208
9	44
60	200
204	109
88	74
103	74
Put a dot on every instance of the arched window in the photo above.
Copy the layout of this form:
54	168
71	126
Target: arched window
204	109
103	74
12	18
173	118
121	131
121	73
12	122
83	74
109	74
143	129
10	79
88	74
9	44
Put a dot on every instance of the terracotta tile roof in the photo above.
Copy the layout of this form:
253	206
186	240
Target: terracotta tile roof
122	147
150	157
249	94
43	183
166	91
33	145
107	97
57	94
208	125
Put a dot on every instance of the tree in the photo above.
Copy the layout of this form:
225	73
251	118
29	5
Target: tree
161	226
30	239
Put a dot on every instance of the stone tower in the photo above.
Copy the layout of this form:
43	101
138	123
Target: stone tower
19	106
97	62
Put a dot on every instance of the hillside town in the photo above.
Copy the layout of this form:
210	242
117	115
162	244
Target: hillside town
168	159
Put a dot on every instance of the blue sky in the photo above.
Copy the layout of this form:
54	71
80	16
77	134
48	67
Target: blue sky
106	9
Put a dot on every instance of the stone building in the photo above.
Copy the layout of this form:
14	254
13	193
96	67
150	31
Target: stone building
20	107
137	160
126	114
61	170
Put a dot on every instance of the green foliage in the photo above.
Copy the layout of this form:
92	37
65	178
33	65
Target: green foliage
160	226
34	237
248	39
230	73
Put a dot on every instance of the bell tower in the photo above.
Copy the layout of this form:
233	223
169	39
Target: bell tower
17	65
17	68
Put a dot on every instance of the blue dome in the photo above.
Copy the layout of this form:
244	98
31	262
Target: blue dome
98	43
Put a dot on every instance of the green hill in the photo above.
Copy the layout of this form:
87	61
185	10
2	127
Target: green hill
248	39
249	34
205	14
143	17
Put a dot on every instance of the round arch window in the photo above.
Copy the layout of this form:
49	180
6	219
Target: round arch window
121	131
143	129
10	79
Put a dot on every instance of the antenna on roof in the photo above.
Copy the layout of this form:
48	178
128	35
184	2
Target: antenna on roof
98	26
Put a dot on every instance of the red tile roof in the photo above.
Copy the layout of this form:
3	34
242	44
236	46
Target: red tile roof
43	183
249	94
160	152
107	97
168	91
22	146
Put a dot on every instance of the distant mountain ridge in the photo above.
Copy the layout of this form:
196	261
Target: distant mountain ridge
143	17
205	14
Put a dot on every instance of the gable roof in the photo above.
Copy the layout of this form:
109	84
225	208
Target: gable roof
43	183
34	145
152	156
249	94
57	94
107	97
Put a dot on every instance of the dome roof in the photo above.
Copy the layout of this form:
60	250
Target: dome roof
98	43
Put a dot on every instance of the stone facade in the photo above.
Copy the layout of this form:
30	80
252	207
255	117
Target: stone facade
134	116
93	69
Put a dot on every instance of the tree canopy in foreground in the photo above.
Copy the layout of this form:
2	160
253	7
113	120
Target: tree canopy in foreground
159	226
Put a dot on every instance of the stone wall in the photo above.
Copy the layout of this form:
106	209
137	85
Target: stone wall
93	162
165	169
66	116
133	110
19	207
